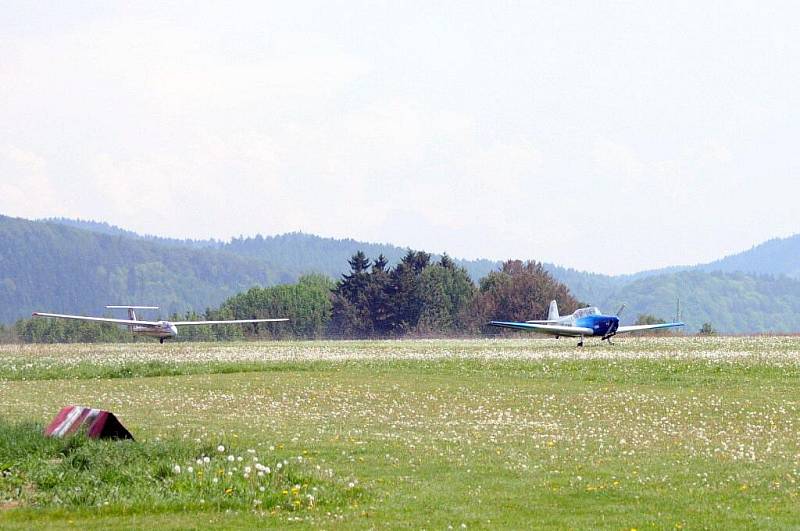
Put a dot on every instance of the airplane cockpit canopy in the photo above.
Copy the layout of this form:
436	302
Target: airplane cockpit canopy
583	312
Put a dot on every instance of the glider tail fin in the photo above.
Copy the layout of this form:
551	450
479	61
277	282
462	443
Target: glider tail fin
132	310
552	314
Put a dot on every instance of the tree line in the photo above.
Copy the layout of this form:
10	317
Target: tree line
419	296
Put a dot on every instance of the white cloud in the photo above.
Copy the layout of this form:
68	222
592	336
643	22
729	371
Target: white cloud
25	187
591	139
615	158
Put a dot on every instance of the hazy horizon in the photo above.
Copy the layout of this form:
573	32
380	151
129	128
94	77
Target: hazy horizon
611	138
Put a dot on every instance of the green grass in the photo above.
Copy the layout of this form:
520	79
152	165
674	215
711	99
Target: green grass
57	476
665	434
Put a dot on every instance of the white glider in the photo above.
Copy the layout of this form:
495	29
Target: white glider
159	329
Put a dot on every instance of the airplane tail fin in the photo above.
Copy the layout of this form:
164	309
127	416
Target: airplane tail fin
132	310
552	314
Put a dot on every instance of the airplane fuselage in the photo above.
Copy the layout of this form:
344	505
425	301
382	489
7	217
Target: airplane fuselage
164	330
601	325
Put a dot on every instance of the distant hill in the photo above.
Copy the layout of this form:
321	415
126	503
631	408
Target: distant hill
49	266
779	256
297	253
731	302
776	257
102	227
588	288
292	254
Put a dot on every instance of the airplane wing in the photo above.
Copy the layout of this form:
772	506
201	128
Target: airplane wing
639	328
556	330
97	319
235	321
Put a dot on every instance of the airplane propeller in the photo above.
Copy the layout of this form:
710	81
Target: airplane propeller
612	330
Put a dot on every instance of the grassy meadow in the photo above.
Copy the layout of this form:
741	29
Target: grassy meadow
649	433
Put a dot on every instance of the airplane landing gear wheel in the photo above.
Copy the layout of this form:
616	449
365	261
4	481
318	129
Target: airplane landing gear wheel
161	340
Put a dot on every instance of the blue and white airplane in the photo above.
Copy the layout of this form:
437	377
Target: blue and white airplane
583	322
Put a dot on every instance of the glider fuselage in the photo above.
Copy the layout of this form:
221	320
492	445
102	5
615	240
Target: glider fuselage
165	330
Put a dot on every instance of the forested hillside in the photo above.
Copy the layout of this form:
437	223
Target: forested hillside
292	254
297	253
731	302
776	257
52	267
779	256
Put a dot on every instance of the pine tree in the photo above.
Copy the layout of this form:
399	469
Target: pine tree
351	300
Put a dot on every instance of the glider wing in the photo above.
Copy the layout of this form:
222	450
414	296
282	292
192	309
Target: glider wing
97	319
235	321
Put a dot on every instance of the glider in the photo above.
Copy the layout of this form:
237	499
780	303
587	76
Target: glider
160	329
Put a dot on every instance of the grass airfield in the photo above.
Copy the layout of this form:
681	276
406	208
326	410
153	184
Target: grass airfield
662	433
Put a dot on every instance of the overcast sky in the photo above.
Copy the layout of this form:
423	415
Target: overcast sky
606	136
